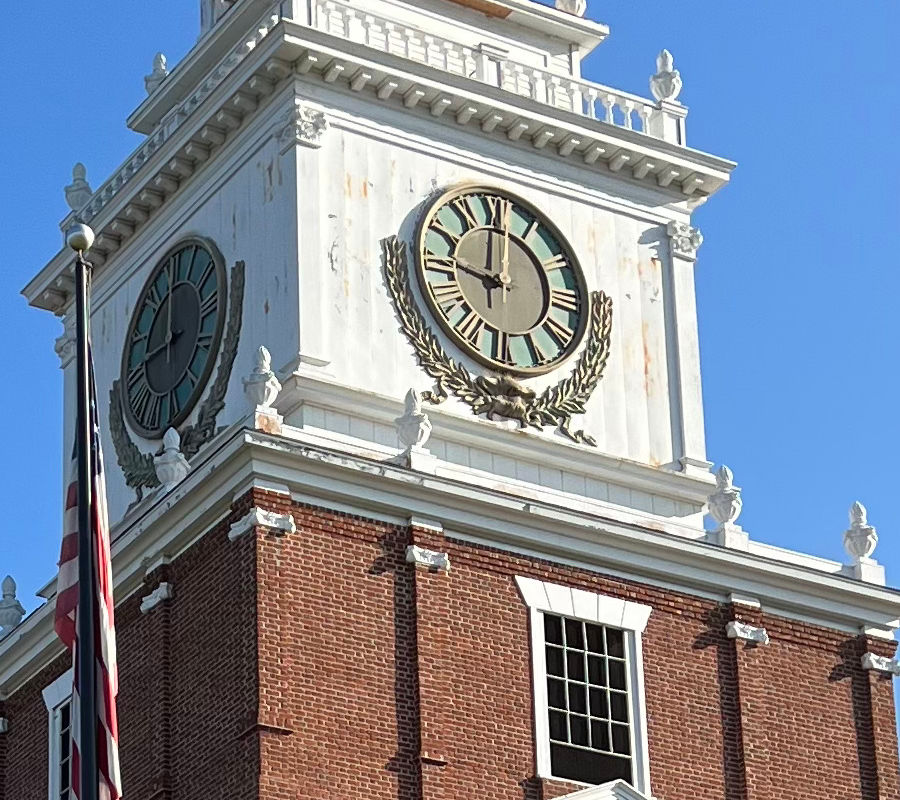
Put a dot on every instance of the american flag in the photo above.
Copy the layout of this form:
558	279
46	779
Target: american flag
105	665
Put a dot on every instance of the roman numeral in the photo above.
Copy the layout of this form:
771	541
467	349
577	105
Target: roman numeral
140	401
136	374
539	355
210	266
447	294
501	347
150	417
204	340
439	226
471	326
498	209
566	299
464	209
153	298
535	224
174	405
209	305
444	264
555	262
562	333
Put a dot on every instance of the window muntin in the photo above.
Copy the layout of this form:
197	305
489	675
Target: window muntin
61	752
589	713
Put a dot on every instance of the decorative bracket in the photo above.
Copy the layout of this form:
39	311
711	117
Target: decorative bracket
749	633
871	661
440	562
685	241
280	524
303	124
162	592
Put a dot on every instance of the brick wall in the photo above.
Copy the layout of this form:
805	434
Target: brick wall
321	664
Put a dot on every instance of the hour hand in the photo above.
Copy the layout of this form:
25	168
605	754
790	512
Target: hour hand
478	272
166	343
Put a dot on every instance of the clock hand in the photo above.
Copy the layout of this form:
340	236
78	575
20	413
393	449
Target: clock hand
504	274
479	272
169	326
170	337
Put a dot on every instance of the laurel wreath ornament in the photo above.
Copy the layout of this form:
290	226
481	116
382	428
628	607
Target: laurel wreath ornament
137	466
500	396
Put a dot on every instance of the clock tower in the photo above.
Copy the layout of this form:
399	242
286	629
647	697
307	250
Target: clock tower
396	339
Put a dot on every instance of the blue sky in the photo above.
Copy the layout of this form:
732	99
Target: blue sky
797	280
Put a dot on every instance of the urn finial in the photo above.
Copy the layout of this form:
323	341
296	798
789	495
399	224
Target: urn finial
860	539
11	610
261	386
414	427
79	192
171	465
576	7
725	506
666	83
160	71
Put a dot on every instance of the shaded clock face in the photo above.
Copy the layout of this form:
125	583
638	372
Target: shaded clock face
501	280
173	337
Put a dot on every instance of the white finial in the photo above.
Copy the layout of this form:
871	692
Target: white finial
576	7
11	611
171	465
261	387
666	84
414	427
725	506
78	193
160	71
860	538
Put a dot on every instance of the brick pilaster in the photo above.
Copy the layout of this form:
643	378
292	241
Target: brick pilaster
882	723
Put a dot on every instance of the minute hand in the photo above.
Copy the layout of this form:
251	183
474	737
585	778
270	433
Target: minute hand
157	350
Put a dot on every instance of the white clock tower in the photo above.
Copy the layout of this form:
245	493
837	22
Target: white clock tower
313	150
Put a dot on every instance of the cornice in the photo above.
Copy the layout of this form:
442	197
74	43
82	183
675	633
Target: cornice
192	134
493	513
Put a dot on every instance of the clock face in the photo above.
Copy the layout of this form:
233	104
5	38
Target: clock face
501	280
174	337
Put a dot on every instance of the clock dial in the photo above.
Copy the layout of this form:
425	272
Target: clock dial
174	337
501	280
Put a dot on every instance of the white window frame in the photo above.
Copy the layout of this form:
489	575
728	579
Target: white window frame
542	597
56	695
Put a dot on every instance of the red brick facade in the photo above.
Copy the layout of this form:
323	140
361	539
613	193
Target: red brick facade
321	664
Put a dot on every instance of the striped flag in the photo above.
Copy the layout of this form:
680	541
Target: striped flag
104	645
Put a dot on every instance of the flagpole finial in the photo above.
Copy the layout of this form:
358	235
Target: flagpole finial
80	237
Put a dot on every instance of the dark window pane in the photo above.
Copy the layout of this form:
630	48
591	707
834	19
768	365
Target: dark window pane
619	705
616	675
595	638
558	726
579	729
574	634
577	700
553	629
598	704
615	642
620	739
64	717
554	661
556	693
575	664
587	766
596	670
600	736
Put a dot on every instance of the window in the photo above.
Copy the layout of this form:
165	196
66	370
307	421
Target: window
58	699
590	716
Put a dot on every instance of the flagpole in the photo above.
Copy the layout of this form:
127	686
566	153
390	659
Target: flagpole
80	238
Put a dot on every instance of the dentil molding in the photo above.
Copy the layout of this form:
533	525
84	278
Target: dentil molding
749	633
162	592
685	240
303	124
871	661
260	518
428	558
